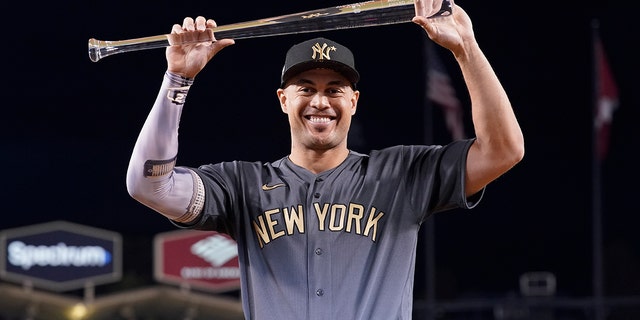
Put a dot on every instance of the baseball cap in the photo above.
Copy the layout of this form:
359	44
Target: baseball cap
319	53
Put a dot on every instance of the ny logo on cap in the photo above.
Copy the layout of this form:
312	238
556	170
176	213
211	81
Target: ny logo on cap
322	51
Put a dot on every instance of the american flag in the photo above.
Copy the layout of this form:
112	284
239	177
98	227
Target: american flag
441	92
606	101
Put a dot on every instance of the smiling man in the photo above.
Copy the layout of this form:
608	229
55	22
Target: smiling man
325	232
318	94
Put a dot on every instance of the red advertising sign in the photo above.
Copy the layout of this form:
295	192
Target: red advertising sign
205	260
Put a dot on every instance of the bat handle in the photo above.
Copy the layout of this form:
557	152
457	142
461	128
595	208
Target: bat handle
99	49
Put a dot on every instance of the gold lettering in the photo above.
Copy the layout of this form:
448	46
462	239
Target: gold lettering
372	222
322	51
337	214
272	223
356	212
321	214
295	218
348	218
261	232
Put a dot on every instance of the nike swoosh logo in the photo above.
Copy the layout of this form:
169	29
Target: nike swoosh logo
265	187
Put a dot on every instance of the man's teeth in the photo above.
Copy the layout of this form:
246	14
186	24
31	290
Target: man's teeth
319	119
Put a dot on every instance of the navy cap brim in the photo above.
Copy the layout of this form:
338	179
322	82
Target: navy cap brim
344	70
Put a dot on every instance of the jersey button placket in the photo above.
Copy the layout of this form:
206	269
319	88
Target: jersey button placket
319	260
317	186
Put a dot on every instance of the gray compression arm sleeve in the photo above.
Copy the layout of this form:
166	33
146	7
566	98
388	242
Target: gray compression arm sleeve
152	177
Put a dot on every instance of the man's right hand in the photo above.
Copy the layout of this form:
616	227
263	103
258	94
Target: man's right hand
193	44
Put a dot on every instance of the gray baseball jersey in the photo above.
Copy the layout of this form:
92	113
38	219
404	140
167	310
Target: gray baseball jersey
337	245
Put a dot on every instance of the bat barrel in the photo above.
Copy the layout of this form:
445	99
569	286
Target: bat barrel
321	20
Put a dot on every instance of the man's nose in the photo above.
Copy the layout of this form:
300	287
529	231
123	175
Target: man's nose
320	101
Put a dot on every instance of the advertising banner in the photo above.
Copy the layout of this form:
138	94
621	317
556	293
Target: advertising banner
206	260
60	255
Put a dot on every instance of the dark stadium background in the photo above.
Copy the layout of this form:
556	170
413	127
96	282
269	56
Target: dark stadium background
69	125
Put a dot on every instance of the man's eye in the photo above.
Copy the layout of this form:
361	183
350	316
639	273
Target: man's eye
306	91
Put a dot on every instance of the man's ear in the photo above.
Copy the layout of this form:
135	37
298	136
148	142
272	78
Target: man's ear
354	102
282	98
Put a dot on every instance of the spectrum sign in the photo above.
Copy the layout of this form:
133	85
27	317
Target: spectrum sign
206	260
60	255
